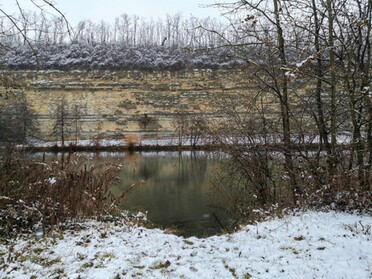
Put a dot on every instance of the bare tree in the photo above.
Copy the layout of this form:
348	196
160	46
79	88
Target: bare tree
311	61
190	128
76	116
22	24
62	125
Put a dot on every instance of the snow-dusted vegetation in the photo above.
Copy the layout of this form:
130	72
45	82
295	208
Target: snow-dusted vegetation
93	56
132	42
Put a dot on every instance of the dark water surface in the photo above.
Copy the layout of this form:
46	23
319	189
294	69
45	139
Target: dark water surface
176	190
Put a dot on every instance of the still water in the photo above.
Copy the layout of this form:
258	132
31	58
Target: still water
176	189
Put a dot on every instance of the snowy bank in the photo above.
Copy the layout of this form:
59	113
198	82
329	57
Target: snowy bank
307	245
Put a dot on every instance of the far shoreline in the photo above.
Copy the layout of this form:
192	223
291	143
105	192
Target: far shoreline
163	147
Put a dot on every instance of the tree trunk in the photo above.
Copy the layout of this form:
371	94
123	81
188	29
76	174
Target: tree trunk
323	135
284	104
332	66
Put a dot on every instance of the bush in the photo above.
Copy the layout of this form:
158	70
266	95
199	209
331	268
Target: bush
39	195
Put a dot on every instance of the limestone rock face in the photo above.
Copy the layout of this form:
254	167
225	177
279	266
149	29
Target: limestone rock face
115	104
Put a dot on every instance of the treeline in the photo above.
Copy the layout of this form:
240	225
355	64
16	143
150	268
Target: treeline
131	42
171	31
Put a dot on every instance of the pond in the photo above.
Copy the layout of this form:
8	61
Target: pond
175	191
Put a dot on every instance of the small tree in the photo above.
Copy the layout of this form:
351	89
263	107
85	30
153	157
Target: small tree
180	123
76	115
67	121
17	122
62	125
149	122
190	127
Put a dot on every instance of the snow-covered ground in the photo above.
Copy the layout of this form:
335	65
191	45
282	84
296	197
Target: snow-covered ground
170	141
174	141
306	245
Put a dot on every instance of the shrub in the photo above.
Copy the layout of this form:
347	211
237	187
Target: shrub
39	195
131	140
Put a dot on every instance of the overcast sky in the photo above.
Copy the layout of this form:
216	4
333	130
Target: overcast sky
76	10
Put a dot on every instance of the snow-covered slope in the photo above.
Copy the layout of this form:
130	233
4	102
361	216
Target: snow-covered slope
307	245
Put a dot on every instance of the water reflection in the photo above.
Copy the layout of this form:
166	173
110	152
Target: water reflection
176	192
176	188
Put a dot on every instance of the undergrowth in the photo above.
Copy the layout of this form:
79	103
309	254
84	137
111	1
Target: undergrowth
249	187
39	195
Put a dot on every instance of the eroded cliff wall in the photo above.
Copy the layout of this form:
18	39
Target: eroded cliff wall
113	104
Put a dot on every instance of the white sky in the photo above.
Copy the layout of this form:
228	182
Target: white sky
76	10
